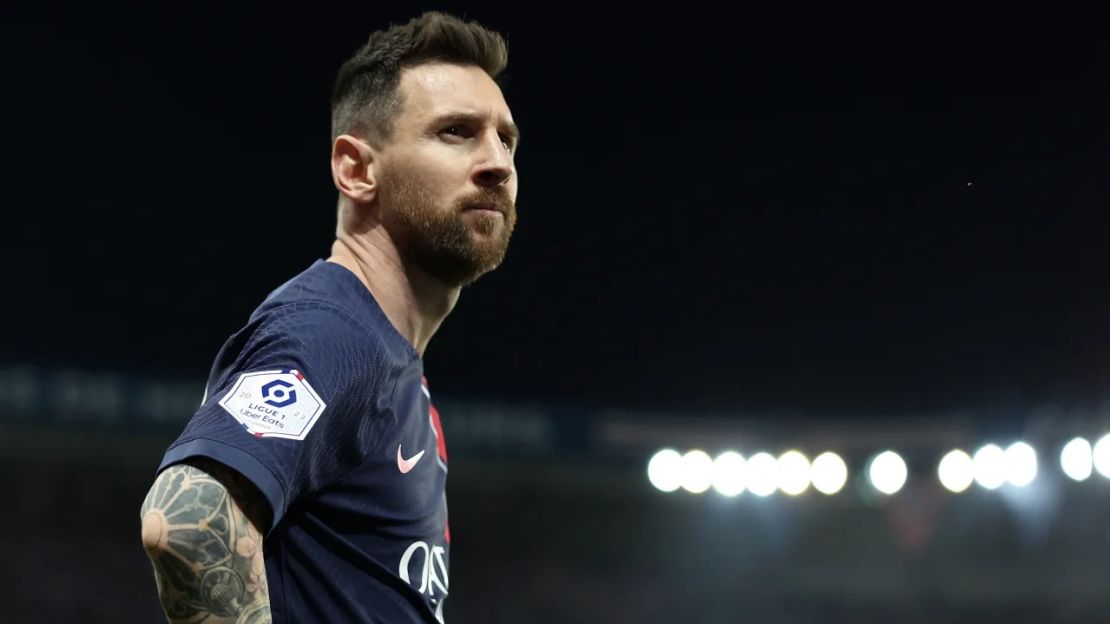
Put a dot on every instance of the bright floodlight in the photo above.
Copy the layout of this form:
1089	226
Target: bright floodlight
1021	464
1076	460
794	473
729	473
887	472
1101	456
990	467
665	470
697	471
763	477
956	471
830	473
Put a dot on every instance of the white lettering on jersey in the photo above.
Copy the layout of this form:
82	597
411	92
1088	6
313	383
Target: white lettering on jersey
432	573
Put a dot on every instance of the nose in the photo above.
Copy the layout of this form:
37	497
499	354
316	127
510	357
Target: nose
495	163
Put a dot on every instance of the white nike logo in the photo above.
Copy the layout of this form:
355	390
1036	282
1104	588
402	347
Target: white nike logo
405	465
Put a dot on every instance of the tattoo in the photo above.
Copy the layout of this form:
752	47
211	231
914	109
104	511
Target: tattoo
199	528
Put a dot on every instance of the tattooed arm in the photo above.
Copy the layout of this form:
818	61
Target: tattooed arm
200	529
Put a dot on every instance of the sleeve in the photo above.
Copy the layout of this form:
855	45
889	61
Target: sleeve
297	407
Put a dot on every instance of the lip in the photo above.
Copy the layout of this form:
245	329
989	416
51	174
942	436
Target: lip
486	208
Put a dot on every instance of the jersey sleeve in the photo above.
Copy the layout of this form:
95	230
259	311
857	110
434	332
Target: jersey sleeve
296	404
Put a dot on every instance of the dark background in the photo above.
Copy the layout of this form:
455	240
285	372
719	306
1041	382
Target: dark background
888	223
835	210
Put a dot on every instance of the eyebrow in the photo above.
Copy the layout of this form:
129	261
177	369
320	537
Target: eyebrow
510	129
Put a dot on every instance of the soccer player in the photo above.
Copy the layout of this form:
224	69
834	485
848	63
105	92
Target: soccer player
309	487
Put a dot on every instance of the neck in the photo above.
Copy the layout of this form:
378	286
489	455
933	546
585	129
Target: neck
414	302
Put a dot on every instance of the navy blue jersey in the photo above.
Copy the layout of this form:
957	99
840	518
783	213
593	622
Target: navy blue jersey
323	405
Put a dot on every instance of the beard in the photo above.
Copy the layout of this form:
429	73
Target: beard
455	245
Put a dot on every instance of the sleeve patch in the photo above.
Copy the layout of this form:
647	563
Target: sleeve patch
274	404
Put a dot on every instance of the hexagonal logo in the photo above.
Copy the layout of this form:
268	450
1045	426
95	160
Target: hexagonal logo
279	393
274	404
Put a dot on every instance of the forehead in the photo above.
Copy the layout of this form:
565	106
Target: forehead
434	89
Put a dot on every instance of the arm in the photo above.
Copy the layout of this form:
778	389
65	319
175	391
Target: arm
200	529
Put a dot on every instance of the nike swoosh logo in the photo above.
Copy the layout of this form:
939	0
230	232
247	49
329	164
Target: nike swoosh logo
405	465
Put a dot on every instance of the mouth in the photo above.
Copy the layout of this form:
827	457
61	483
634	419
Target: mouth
486	209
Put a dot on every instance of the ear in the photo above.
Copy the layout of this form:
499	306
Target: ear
352	168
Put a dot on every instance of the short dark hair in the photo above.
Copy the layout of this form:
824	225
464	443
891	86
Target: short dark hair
365	99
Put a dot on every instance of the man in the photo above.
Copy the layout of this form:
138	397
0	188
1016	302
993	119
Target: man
310	484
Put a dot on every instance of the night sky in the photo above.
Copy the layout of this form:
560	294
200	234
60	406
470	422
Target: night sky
839	213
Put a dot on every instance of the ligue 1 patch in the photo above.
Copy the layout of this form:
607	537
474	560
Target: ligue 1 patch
274	404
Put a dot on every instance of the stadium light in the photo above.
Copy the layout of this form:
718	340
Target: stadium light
830	473
887	472
763	478
1020	464
1076	459
956	471
1100	455
794	472
665	470
729	473
990	467
697	471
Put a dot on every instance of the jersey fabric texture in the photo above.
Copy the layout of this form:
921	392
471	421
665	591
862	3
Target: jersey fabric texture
323	405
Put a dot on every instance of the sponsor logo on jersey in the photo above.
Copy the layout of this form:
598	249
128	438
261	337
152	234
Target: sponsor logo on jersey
424	568
274	404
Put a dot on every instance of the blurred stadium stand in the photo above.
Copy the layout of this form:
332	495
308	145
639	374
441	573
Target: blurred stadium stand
554	520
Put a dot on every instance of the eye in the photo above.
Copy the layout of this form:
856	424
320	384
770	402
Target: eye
457	130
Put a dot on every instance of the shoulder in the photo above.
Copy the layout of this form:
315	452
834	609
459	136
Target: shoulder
328	310
322	332
324	325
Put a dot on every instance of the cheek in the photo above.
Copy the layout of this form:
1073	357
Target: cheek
439	176
417	180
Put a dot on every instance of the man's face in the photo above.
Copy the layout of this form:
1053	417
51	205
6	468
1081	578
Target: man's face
447	182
